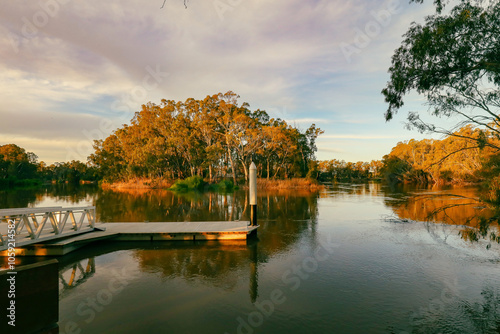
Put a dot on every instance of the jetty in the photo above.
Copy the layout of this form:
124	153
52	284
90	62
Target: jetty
56	231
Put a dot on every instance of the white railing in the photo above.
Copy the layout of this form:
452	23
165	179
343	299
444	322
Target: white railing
30	224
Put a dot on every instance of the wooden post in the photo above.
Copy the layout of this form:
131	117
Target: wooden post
253	194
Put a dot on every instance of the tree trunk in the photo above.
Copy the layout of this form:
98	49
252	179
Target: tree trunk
245	169
268	169
232	165
277	171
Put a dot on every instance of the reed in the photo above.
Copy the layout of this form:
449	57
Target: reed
294	183
139	183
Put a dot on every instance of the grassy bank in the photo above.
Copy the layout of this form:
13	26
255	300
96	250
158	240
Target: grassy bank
295	183
139	183
196	183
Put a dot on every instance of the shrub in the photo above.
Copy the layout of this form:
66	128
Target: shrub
224	186
191	183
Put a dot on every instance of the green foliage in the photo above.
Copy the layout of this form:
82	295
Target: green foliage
71	172
16	163
482	231
394	169
224	186
490	174
191	183
19	168
15	182
348	171
454	61
313	172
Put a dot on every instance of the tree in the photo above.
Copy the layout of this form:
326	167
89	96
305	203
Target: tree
17	163
394	168
202	137
454	60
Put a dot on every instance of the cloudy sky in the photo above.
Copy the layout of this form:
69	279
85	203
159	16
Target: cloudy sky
73	71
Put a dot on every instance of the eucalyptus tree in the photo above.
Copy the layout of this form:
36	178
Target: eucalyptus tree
454	61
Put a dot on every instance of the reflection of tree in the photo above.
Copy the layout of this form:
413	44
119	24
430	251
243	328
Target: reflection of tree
24	197
216	264
460	206
478	317
290	211
341	190
284	218
72	193
165	206
485	316
17	198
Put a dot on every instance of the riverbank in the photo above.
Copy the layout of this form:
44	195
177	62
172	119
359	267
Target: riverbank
139	183
295	183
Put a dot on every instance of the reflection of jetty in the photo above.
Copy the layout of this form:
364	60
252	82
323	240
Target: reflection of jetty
47	231
73	280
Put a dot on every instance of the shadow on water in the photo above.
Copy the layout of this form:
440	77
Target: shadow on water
211	263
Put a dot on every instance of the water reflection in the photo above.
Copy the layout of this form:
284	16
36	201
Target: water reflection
284	216
459	206
73	275
480	316
31	197
130	205
381	278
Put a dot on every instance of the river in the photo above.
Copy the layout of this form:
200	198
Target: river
352	258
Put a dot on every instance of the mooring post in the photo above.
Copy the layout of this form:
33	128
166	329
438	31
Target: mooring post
253	194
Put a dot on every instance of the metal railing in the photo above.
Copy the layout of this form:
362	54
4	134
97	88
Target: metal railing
32	225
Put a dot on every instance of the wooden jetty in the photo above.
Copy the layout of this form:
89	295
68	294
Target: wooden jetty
46	231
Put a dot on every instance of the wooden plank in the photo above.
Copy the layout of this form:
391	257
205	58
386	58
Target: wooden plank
27	242
180	227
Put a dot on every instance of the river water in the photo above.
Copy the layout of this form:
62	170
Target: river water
352	258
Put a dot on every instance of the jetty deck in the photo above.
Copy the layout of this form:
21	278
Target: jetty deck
166	231
49	235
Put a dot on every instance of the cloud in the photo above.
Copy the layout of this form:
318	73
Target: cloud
362	137
64	67
51	150
309	121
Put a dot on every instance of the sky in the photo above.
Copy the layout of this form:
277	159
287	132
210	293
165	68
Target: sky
74	71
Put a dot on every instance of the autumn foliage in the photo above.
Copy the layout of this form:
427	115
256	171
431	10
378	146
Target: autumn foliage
455	159
212	138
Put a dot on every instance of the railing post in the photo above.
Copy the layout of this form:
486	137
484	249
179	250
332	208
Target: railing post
253	194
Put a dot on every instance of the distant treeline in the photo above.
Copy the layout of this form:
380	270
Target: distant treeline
458	158
339	170
213	138
216	139
20	168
